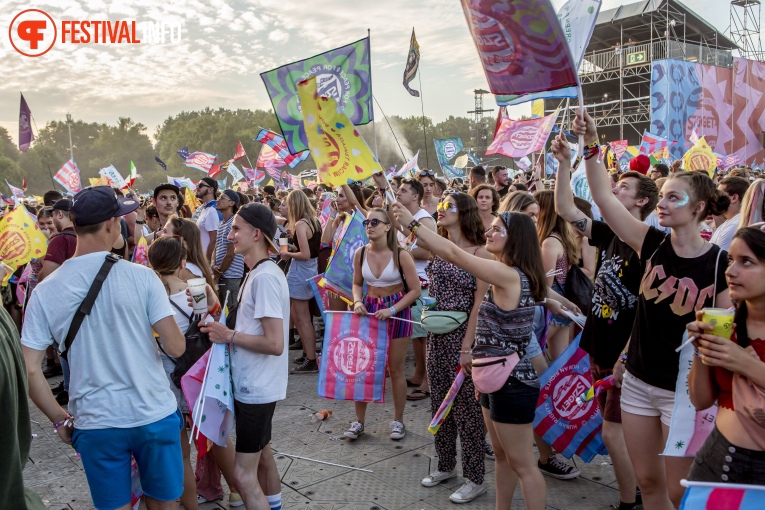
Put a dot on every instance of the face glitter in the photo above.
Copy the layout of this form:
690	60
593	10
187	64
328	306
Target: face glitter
683	201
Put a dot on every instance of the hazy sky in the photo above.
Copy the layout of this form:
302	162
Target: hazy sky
225	46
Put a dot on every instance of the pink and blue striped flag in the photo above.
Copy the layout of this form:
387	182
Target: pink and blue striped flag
253	175
731	160
354	357
339	274
722	496
652	143
279	146
200	160
565	425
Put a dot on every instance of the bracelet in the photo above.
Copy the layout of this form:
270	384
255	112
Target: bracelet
232	337
140	222
623	358
359	301
696	353
469	351
413	224
216	310
392	310
68	421
591	150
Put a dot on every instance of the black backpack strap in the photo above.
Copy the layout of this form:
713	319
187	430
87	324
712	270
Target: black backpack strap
90	298
189	317
401	272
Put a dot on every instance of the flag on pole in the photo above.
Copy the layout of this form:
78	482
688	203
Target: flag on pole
652	143
722	496
279	146
141	252
295	182
412	65
16	192
518	138
184	153
339	273
522	48
561	422
342	74
731	160
201	161
319	292
409	166
113	176
701	157
694	138
446	149
239	154
354	358
24	183
69	177
234	172
338	150
20	239
217	168
446	405
269	158
619	147
133	174
161	163
253	175
26	136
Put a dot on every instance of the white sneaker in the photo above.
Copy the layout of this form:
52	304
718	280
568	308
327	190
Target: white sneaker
355	431
467	493
437	477
397	430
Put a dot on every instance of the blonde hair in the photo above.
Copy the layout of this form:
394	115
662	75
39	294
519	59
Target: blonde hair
752	204
300	208
549	222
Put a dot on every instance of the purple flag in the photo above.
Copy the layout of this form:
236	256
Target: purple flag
25	126
522	46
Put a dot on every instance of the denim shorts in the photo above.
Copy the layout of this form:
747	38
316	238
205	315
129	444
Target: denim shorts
106	456
514	403
559	320
719	461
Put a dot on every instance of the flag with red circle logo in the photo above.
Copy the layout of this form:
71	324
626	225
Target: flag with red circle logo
353	359
560	420
69	177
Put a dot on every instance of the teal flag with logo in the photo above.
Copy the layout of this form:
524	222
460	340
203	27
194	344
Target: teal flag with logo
446	149
343	74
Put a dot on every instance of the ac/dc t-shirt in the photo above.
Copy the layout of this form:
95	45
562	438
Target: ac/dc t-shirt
614	299
671	290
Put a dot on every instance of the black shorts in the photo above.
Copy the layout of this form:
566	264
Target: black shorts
514	403
253	426
720	461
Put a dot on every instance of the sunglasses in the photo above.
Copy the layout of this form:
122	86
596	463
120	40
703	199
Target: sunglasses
445	206
450	191
424	173
374	222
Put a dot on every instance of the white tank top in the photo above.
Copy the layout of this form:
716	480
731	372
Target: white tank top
389	277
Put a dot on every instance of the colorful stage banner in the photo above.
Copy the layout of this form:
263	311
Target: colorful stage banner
343	74
354	357
518	138
564	424
338	150
521	46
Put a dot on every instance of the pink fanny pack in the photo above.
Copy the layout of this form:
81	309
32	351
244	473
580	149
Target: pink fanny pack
490	374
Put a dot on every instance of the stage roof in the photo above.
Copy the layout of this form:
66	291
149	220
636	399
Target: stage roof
634	18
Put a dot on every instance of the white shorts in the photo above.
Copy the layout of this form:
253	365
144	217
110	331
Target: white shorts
641	398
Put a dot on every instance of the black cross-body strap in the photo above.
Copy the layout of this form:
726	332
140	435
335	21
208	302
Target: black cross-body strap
90	299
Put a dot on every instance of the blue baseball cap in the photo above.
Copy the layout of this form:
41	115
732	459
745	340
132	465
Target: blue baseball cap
95	205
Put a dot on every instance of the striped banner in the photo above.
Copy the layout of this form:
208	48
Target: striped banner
354	357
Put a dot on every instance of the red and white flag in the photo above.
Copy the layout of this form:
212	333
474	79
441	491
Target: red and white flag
239	152
518	138
69	177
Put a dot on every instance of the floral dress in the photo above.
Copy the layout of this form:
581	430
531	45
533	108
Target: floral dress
454	289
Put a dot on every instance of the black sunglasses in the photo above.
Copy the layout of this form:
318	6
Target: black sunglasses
374	222
424	173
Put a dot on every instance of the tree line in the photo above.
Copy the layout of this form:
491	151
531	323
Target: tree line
98	145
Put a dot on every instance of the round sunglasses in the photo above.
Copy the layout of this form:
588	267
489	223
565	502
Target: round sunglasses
374	222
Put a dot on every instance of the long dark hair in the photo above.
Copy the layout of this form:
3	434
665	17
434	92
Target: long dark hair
755	241
527	256
471	224
191	234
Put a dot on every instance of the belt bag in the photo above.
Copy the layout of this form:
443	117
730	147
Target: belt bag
441	322
490	374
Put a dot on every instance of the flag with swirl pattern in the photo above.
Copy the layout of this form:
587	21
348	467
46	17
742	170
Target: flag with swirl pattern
343	74
353	358
339	274
521	46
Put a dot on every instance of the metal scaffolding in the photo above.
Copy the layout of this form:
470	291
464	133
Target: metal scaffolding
480	135
745	18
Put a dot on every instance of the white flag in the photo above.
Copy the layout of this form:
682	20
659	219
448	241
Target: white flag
577	18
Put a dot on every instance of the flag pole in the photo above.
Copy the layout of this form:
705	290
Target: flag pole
372	106
43	148
422	106
581	112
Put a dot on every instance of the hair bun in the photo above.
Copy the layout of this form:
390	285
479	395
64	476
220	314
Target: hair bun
719	204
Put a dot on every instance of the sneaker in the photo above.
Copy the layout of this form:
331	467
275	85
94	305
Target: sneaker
300	360
488	451
297	345
63	398
437	477
53	370
58	388
397	430
308	366
202	500
467	493
355	431
234	500
558	469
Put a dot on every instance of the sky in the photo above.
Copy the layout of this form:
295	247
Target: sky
226	44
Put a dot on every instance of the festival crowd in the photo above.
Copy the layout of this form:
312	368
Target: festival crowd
508	263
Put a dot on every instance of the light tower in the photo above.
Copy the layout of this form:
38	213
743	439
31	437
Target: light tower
745	17
480	131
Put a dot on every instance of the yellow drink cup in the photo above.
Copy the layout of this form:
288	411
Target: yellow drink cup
721	320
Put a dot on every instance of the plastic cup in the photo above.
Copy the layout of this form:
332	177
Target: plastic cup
721	320
283	241
197	288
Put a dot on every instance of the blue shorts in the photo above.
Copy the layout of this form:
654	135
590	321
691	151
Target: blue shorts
106	454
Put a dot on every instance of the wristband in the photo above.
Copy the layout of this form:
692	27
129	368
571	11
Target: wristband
232	337
392	310
591	150
359	301
68	421
216	310
623	358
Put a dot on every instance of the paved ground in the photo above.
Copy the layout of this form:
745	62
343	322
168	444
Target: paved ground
56	474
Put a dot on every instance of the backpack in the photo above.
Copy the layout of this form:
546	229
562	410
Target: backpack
197	344
578	289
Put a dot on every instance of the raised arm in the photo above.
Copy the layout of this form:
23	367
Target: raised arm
352	199
564	196
629	229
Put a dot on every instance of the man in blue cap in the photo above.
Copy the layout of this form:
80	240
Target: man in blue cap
120	402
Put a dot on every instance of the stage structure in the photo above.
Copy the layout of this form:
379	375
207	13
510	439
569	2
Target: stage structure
481	138
616	73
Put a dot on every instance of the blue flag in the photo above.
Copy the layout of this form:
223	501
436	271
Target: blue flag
184	153
162	163
446	149
339	274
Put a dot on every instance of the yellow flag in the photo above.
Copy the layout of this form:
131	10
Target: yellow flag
700	157
336	147
94	181
20	239
538	108
191	199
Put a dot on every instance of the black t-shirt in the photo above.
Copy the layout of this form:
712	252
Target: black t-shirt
502	192
671	290
614	300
